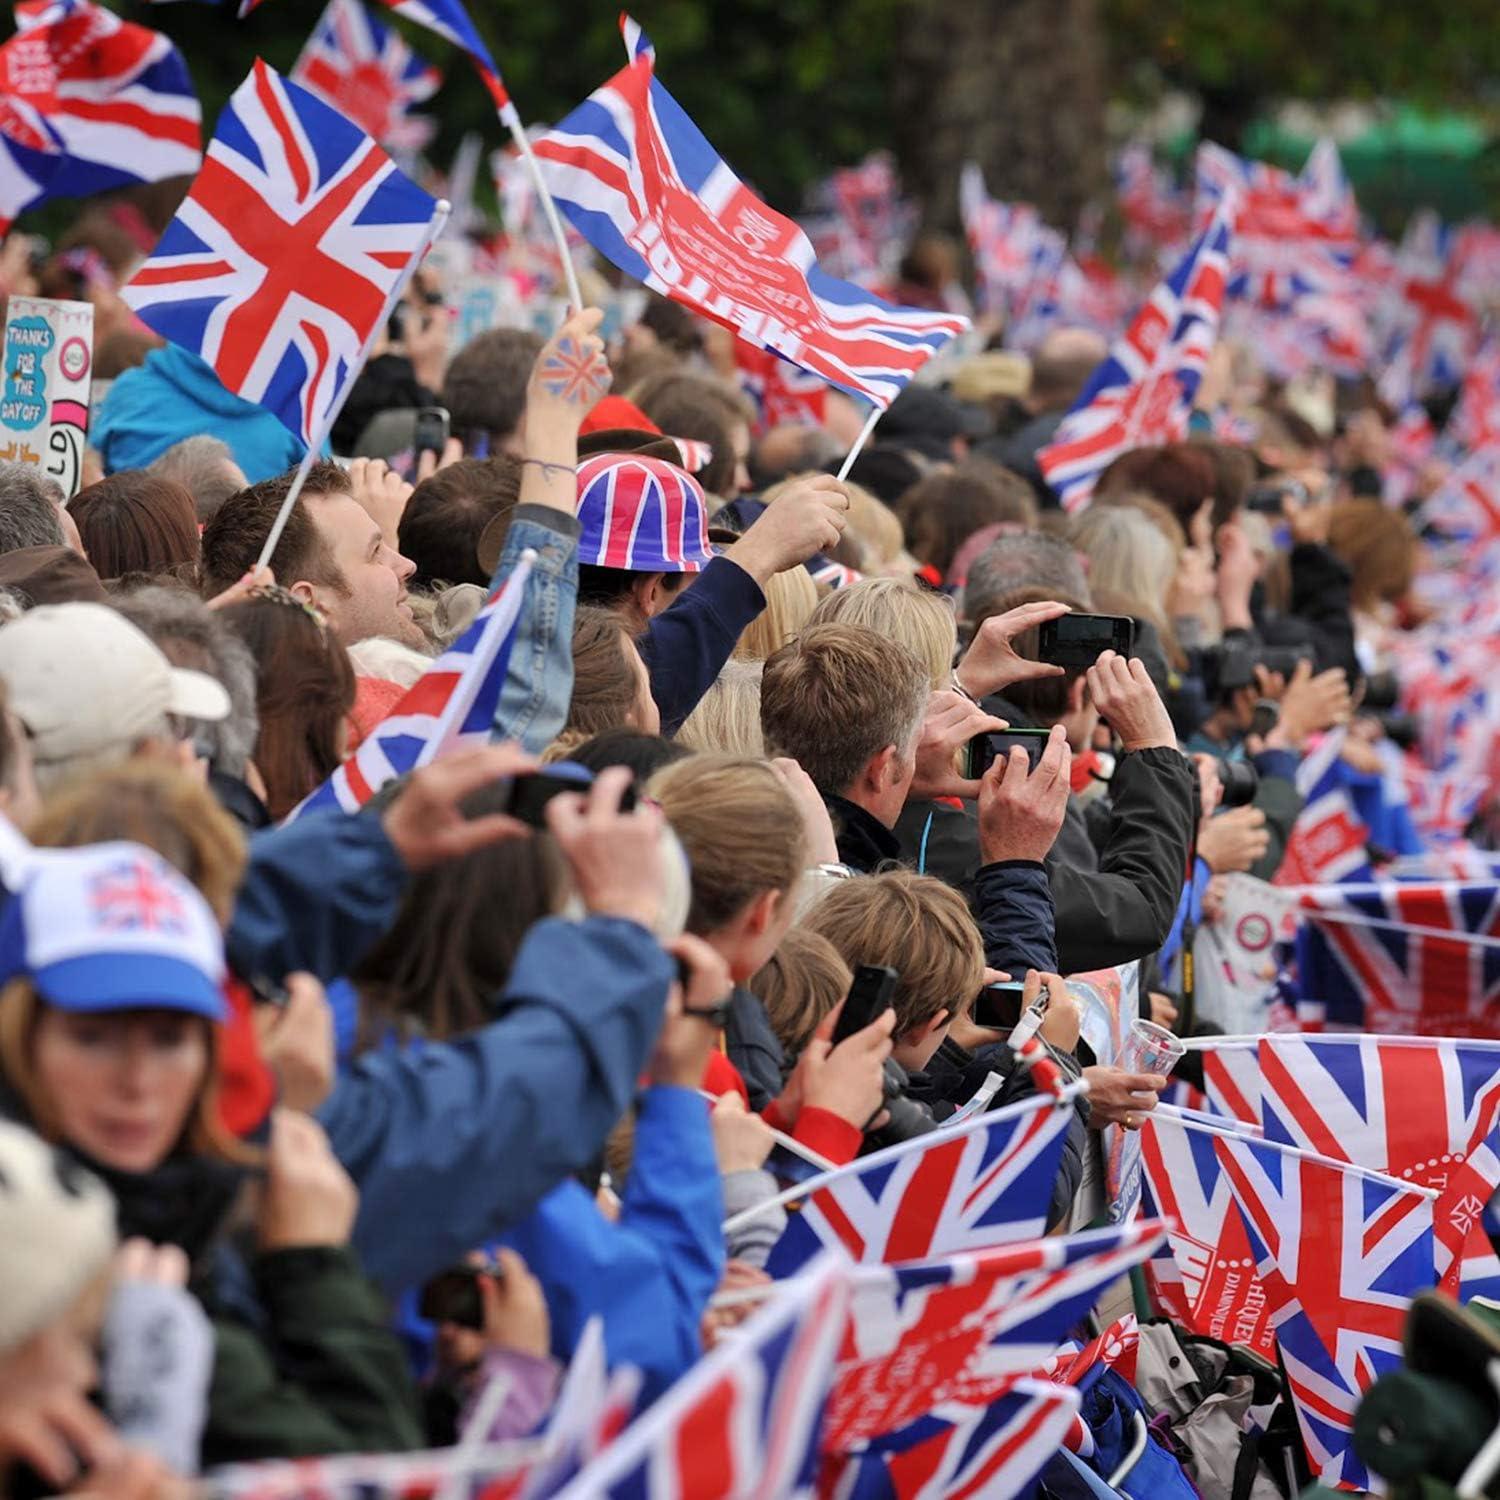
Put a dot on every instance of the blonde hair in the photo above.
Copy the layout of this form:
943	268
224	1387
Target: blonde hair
801	982
791	598
727	718
916	924
146	802
918	619
390	661
740	828
877	528
1131	562
20	1012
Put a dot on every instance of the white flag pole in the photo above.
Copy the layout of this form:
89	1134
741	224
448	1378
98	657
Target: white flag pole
511	119
860	441
440	212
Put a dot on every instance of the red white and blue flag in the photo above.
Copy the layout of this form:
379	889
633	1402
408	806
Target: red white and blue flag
640	182
1143	392
983	1183
782	392
283	259
1340	1253
745	1419
1436	327
451	706
90	102
365	70
1003	238
1158	216
1329	841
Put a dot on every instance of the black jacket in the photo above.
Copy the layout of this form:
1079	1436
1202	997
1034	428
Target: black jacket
865	843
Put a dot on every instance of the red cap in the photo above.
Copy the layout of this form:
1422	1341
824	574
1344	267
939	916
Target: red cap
616	411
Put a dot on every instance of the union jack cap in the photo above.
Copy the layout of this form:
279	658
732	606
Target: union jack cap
112	927
641	514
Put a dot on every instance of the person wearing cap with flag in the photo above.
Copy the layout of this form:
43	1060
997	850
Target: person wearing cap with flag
111	989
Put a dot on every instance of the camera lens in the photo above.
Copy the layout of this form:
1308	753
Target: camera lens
1240	781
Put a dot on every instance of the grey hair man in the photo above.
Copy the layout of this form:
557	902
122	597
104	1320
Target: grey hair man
1031	559
29	515
204	466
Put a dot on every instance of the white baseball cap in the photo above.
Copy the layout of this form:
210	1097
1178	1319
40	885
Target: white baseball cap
82	679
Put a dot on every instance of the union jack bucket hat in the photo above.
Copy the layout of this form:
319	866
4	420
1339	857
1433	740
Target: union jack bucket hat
641	514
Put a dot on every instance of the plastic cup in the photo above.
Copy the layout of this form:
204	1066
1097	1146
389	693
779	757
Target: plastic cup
1151	1049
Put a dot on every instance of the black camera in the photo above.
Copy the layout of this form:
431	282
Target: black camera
1382	692
1240	781
1233	667
908	1119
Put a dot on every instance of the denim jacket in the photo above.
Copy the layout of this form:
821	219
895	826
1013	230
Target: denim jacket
533	704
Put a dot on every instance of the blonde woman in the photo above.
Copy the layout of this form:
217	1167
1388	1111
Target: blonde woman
727	718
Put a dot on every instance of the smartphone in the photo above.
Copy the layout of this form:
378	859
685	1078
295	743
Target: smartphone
1264	717
1079	640
431	435
530	794
985	749
1268	499
869	997
452	1296
998	1006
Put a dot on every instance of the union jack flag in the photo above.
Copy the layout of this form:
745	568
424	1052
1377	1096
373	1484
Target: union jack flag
1143	392
745	1419
282	260
90	102
1340	1252
1329	840
1350	1098
450	706
1204	1276
129	897
782	392
1403	958
1436	328
963	1327
1002	238
642	185
1466	506
1158	216
449	20
1117	1348
366	71
962	1449
983	1183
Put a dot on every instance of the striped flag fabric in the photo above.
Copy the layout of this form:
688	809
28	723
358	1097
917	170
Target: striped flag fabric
450	706
282	260
640	182
90	103
1143	392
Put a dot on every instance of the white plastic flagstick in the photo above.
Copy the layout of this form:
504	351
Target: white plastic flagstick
860	441
440	213
511	119
781	1139
472	1439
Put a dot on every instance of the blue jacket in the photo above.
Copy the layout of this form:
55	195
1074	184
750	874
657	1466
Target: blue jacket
451	1143
685	647
174	395
651	1274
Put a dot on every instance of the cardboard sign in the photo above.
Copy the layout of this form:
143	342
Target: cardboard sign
44	399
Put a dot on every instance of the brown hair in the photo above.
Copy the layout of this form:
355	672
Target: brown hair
485	387
942	511
447	513
137	522
605	686
1180	475
304	689
233	538
836	697
1377	544
159	806
916	924
740	828
703	409
21	1009
804	979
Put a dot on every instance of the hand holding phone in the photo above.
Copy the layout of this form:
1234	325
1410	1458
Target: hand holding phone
1079	640
985	749
869	997
998	1006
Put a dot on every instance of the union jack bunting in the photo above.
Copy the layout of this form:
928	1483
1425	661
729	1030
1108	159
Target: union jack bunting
963	1327
282	260
90	102
365	70
1204	1276
449	20
1143	392
962	1450
745	1419
1340	1252
450	706
639	181
986	1182
1404	959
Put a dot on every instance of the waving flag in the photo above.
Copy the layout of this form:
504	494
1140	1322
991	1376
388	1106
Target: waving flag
986	1182
1340	1252
1328	841
450	706
90	102
963	1449
1157	215
1438	330
963	1327
744	1420
1143	392
1349	1098
639	181
1003	238
283	259
782	393
366	71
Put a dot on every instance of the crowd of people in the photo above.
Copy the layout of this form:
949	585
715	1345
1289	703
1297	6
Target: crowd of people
316	1124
